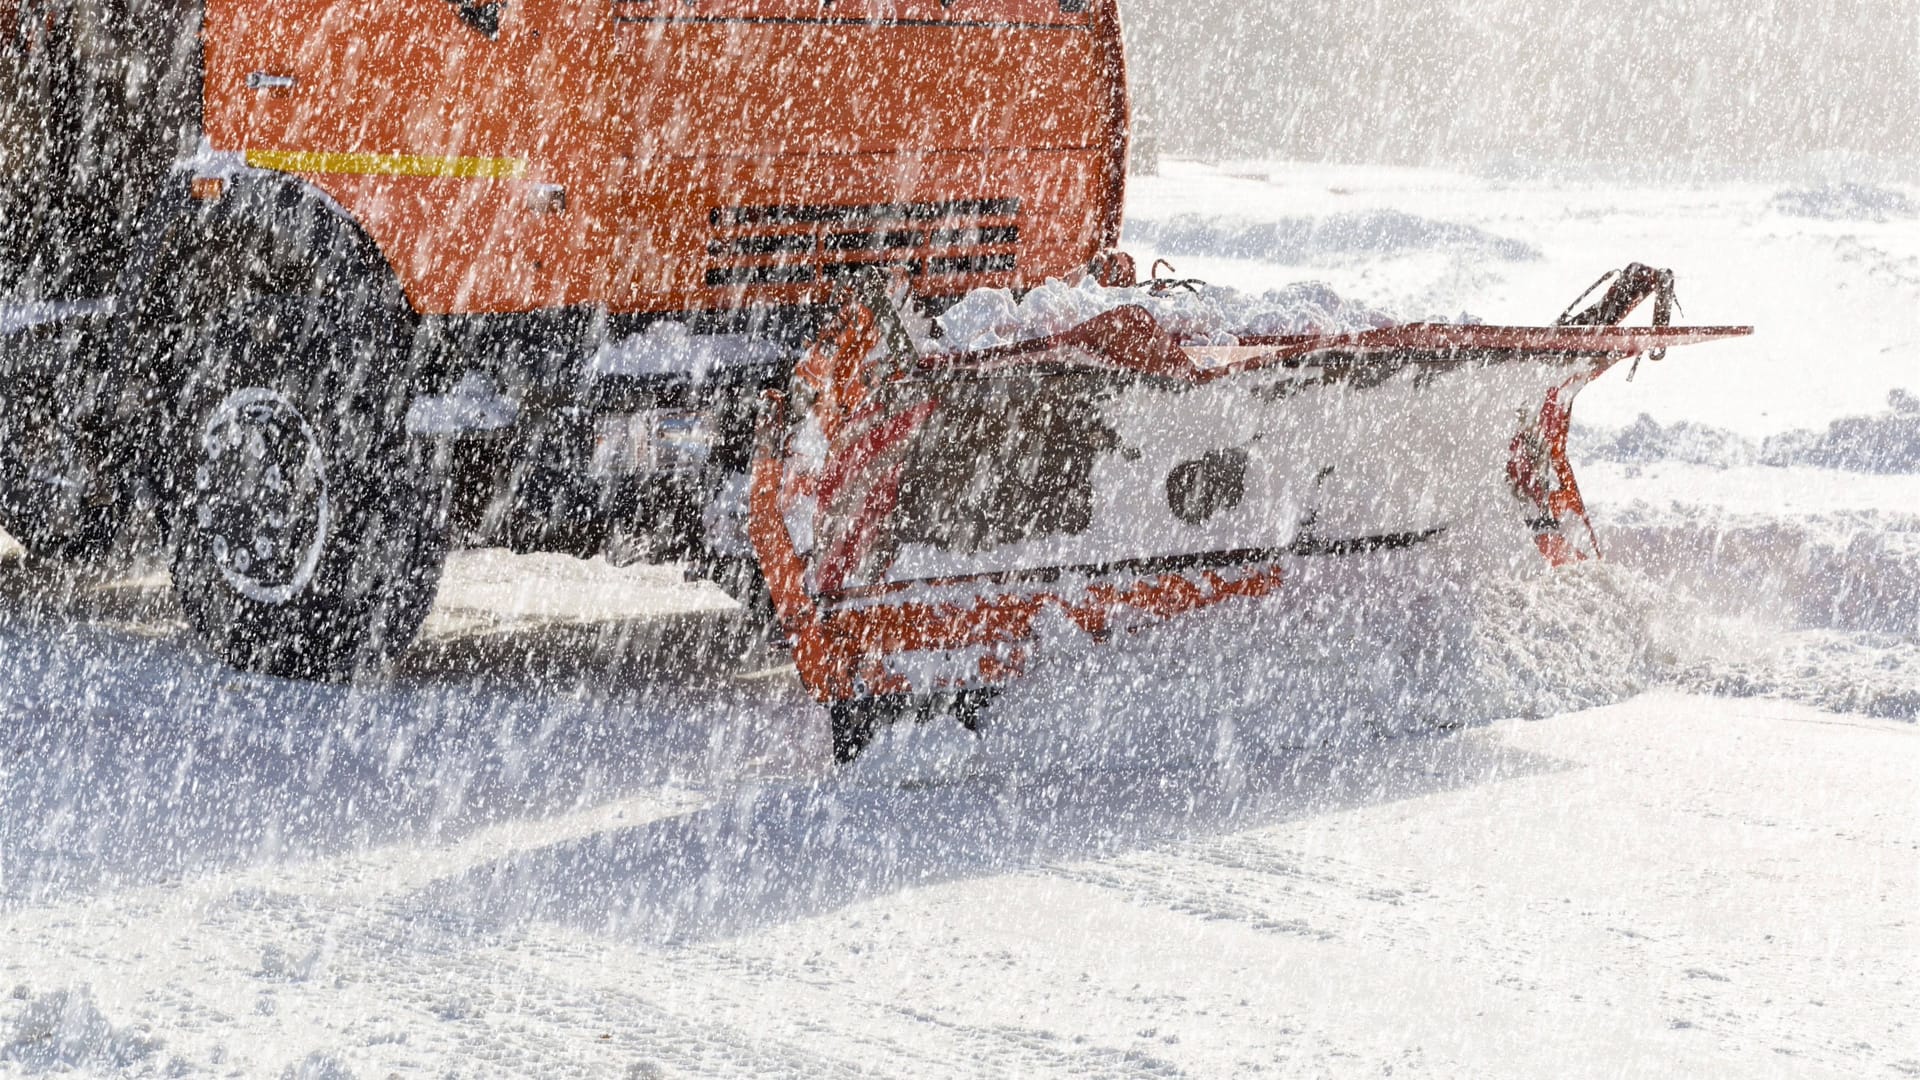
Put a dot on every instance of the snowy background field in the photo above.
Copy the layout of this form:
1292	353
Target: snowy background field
1656	816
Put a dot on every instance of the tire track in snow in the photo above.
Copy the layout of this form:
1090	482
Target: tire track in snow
914	1040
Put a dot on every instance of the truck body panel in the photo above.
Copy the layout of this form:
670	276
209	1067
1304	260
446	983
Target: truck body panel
729	154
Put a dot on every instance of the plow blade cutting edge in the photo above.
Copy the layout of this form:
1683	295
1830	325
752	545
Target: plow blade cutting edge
917	512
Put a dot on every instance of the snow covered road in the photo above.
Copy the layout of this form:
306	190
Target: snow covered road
588	828
1669	886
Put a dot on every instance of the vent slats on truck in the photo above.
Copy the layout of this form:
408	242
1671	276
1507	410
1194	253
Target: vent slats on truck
798	244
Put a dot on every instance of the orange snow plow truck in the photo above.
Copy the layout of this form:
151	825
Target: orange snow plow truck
328	287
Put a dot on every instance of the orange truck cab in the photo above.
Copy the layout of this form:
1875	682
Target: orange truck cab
338	285
659	156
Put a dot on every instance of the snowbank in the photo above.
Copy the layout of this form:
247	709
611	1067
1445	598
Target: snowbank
1834	671
1846	201
1646	441
1887	442
1857	571
1810	578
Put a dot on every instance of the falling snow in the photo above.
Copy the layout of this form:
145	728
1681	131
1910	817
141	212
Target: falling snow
1443	811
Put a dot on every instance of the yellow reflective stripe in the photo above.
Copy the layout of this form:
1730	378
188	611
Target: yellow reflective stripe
453	168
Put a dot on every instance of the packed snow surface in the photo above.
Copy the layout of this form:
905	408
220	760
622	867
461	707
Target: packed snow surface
1435	815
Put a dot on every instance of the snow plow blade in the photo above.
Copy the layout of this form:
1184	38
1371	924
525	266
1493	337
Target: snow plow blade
917	512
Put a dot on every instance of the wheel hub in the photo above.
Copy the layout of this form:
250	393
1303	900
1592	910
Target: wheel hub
261	496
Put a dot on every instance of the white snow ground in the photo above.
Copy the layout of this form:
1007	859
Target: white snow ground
1654	817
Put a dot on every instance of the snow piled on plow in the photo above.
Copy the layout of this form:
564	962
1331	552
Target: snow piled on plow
1193	312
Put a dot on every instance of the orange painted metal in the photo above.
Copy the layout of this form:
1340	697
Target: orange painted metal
712	154
1540	472
842	653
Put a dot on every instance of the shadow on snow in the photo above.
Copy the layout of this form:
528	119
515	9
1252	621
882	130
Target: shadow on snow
129	756
783	852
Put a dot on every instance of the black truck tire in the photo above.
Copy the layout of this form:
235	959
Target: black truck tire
72	468
60	500
308	535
